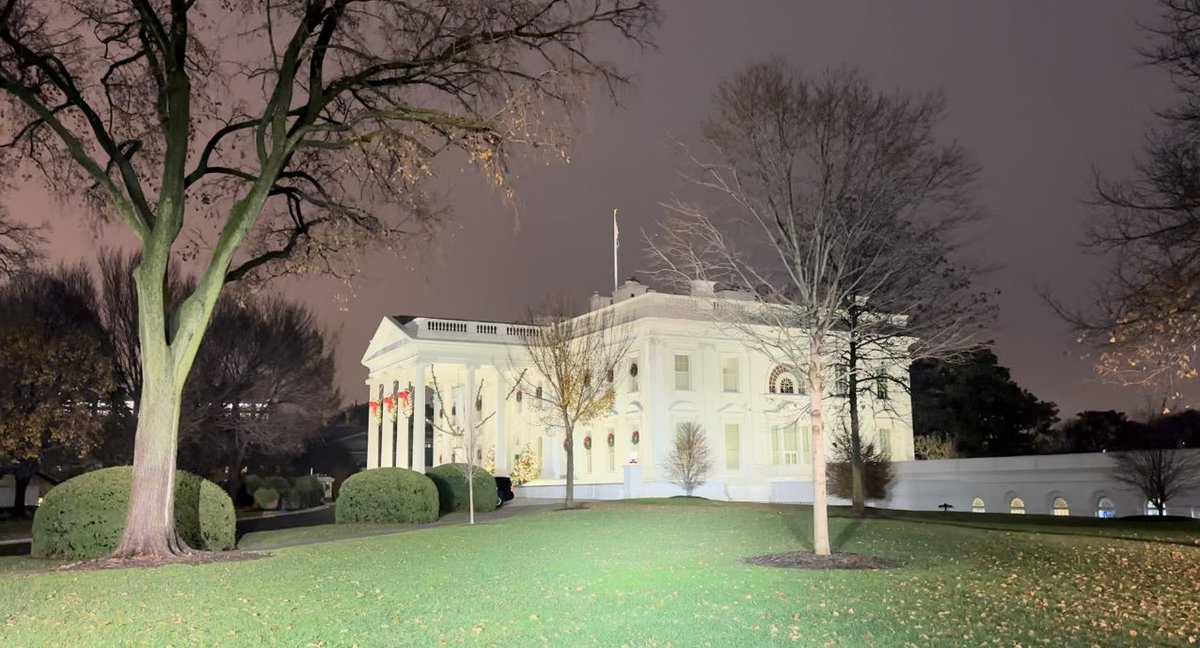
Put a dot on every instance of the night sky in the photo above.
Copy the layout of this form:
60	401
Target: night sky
1040	92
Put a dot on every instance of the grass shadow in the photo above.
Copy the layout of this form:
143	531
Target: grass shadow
846	534
802	533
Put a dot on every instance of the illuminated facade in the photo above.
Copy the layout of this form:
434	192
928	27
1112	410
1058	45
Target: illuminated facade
684	365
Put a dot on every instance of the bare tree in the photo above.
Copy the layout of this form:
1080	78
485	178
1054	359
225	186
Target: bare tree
819	178
264	383
875	476
18	245
934	446
922	305
571	362
690	459
278	150
1144	320
467	430
1159	475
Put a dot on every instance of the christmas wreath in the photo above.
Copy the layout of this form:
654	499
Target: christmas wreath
567	445
633	370
635	438
375	414
406	404
519	394
612	439
587	442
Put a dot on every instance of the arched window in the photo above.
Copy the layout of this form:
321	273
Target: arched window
1016	506
786	386
977	505
1105	508
783	381
1059	507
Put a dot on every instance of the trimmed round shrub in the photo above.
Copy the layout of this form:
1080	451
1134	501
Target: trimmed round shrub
252	483
451	482
387	495
310	490
266	499
84	516
280	484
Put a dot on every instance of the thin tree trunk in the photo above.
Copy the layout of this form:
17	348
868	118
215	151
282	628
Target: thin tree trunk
570	499
471	491
19	487
857	489
235	470
820	498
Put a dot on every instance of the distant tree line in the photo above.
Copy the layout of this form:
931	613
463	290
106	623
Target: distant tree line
975	409
70	377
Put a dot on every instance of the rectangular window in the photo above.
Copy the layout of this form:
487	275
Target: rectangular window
732	446
885	442
841	385
729	375
791	450
806	445
633	375
881	387
683	374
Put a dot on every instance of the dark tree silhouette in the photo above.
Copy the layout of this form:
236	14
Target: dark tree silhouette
977	403
56	375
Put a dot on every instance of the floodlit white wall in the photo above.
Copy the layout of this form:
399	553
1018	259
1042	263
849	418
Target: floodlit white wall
1082	479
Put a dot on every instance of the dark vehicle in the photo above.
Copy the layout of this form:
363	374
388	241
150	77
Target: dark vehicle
504	490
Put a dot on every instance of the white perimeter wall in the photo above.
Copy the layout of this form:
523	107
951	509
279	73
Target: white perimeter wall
1082	479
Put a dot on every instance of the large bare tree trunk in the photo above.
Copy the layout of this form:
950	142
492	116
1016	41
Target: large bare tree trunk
820	498
150	522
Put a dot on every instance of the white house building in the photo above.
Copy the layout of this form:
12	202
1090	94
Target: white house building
684	365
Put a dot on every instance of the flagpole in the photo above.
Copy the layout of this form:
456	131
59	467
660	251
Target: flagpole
616	244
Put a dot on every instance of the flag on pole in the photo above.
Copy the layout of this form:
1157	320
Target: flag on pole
616	244
616	231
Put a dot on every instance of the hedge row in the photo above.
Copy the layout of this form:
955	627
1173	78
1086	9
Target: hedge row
84	516
270	493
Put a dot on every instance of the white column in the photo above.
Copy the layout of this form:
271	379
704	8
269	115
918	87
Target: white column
400	455
470	416
389	453
372	431
418	442
501	431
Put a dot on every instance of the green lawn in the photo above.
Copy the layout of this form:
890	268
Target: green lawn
642	574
